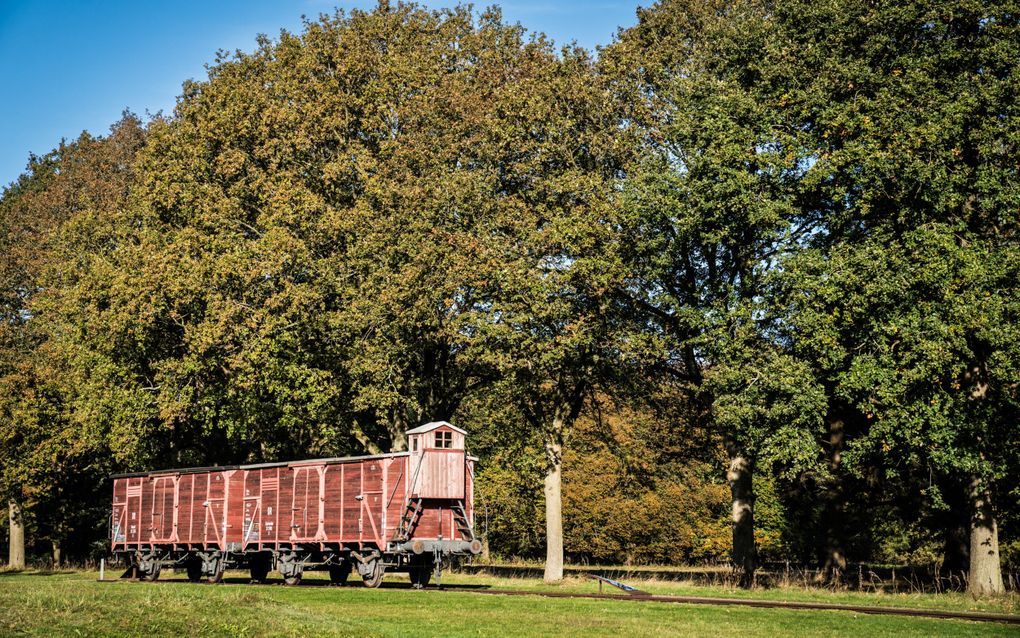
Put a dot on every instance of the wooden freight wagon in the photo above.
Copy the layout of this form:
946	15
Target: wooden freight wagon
389	512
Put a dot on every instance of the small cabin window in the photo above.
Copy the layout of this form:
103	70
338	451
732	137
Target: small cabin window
414	444
444	440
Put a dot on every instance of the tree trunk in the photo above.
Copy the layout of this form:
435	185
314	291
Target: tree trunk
744	554
985	577
367	443
834	556
16	557
553	508
397	427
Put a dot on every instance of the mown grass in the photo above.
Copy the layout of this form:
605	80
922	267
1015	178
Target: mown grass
952	601
74	604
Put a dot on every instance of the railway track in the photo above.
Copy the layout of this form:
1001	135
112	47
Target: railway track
766	604
640	596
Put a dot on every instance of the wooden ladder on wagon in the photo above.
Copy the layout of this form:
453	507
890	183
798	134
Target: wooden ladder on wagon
460	519
412	512
408	520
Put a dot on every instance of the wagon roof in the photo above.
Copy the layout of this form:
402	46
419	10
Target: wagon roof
428	427
254	466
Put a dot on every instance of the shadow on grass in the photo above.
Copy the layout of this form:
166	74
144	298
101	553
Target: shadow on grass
61	572
308	583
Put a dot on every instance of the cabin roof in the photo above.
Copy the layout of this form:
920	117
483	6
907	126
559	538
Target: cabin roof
428	427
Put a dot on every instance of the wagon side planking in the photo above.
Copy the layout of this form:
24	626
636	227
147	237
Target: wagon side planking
389	512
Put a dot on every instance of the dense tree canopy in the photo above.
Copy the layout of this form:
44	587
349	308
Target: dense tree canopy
753	257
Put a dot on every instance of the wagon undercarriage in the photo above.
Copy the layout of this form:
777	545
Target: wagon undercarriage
291	563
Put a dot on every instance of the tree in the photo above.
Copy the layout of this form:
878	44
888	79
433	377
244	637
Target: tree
907	315
920	310
350	230
711	203
555	325
48	462
305	276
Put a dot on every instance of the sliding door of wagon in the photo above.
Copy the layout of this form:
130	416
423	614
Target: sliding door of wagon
372	511
271	506
134	510
118	520
362	514
251	527
306	519
185	508
164	510
351	522
215	524
332	526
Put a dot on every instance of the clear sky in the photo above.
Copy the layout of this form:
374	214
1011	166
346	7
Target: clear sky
73	65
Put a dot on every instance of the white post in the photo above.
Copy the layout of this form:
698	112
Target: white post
102	568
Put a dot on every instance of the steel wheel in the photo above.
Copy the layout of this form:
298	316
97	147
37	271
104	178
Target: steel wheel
148	568
290	568
374	578
216	575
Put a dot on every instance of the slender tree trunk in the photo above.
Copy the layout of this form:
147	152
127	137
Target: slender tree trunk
745	557
398	432
564	416
554	505
16	557
985	577
834	557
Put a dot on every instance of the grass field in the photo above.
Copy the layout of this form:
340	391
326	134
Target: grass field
74	604
953	601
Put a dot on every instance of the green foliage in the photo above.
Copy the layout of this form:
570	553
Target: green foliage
509	503
53	464
775	526
713	199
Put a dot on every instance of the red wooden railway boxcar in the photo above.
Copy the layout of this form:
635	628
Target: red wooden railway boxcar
399	512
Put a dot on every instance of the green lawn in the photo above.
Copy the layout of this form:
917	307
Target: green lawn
954	601
74	604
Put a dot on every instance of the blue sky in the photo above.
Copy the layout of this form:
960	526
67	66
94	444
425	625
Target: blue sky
69	66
